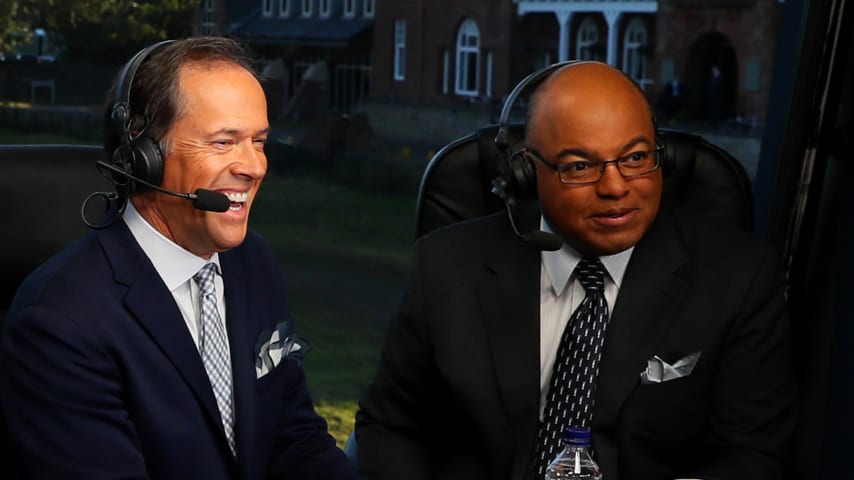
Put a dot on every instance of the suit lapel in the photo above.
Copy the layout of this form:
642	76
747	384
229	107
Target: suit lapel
239	318
151	303
646	304
510	303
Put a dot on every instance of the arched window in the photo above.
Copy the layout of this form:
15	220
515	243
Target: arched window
267	8
399	49
284	8
634	42
588	37
468	59
208	25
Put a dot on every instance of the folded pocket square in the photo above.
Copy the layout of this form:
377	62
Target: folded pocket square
277	344
657	370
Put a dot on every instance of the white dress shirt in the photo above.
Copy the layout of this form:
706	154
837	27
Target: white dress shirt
176	267
560	295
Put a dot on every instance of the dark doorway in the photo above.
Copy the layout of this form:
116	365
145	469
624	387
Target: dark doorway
711	78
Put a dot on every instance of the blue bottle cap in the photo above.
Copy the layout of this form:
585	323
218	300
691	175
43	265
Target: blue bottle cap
577	436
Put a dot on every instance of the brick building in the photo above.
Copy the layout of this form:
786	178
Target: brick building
461	52
446	65
327	42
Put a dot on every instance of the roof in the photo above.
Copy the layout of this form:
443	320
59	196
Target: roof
299	31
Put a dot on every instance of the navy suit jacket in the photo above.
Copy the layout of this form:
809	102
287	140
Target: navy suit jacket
101	379
457	392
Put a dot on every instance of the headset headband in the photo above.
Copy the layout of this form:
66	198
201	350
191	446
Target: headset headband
121	109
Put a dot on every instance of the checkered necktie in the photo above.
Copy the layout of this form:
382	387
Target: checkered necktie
212	347
570	399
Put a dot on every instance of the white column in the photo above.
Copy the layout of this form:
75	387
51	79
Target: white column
563	47
613	18
488	92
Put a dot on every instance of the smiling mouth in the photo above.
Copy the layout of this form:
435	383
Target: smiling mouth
614	213
237	200
615	218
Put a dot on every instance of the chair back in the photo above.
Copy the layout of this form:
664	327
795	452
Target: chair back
46	186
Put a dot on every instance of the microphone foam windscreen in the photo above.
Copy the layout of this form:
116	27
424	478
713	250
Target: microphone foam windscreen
211	201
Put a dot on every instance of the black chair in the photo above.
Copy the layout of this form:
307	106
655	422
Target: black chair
698	175
46	185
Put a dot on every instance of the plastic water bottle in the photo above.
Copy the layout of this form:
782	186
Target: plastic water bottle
574	462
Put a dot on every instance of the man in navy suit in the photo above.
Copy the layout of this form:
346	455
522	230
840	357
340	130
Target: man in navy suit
160	346
695	372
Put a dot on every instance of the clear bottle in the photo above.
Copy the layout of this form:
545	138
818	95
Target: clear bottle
574	461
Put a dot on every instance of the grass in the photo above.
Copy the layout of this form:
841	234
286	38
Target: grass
332	221
344	253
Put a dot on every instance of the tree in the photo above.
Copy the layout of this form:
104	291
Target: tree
102	30
13	25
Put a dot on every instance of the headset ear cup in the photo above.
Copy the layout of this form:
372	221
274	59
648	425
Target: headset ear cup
147	161
121	161
523	176
667	155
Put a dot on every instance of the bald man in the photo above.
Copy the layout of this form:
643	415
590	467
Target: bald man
692	376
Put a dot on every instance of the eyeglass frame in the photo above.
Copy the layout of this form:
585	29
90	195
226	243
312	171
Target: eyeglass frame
559	167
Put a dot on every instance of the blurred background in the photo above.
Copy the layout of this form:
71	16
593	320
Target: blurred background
362	93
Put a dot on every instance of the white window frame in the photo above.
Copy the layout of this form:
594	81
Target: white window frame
446	72
325	8
468	55
266	8
307	7
369	8
634	62
207	26
588	36
284	8
349	8
399	49
488	90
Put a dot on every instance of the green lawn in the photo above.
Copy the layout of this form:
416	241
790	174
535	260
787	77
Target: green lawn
344	254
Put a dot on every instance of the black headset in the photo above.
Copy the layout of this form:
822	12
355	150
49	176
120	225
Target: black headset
518	178
137	154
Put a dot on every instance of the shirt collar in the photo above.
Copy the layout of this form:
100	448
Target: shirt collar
173	263
560	264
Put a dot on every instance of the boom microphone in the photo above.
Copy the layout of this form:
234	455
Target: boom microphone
203	199
543	240
537	238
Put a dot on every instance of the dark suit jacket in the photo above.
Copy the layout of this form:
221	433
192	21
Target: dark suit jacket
101	379
457	390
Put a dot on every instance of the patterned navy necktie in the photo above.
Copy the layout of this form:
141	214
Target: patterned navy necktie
213	343
570	399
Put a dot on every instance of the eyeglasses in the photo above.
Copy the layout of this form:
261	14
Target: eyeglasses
584	172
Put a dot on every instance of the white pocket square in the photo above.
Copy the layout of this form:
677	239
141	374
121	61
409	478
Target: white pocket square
276	344
657	370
